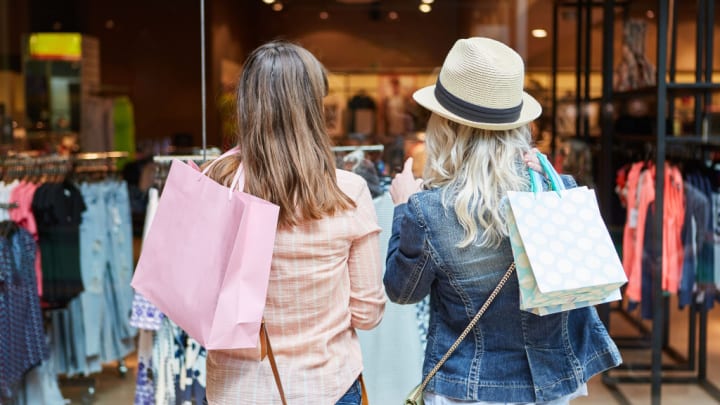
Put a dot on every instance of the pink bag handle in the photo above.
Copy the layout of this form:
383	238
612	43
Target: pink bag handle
238	179
224	155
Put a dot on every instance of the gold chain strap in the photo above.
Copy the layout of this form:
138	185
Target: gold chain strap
467	330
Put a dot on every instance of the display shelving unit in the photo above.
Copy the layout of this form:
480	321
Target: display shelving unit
693	364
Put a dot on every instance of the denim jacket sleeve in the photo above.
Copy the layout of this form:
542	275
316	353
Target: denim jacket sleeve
568	181
409	268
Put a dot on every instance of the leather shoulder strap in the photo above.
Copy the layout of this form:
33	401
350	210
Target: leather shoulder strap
264	337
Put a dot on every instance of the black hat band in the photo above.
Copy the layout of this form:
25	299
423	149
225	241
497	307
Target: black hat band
473	112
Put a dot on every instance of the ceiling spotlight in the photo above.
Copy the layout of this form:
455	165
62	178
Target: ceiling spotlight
393	15
425	8
277	6
109	24
324	15
428	1
268	1
650	14
539	33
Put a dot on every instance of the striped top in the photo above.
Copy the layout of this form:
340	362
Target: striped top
325	281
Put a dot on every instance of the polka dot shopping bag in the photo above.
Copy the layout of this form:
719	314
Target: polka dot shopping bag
564	255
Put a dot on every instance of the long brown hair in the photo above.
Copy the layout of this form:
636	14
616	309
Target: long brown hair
284	146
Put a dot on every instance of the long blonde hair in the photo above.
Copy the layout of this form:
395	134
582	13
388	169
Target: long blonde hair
476	167
284	146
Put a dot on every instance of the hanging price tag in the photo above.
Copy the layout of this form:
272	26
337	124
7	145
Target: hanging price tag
633	218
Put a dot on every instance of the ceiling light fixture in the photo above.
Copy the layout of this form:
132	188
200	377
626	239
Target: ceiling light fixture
393	15
277	6
268	1
539	33
324	15
428	1
425	8
650	14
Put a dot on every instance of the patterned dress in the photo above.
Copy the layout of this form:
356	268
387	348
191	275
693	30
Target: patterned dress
22	340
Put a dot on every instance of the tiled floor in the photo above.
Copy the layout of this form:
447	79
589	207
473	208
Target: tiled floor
111	389
640	393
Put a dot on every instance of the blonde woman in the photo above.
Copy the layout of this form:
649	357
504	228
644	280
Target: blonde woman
450	240
325	279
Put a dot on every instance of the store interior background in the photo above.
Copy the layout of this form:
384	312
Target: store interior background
150	52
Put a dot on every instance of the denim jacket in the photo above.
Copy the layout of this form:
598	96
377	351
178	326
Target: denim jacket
511	355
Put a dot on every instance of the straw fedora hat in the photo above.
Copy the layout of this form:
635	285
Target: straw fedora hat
481	85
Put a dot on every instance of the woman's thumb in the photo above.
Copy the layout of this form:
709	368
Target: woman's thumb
408	165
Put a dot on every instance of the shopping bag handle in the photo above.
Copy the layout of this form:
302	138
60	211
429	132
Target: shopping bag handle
239	178
229	152
556	183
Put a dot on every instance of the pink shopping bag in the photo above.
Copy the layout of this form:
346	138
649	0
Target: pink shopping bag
205	261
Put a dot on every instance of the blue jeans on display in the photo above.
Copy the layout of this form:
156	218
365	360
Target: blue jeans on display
94	248
119	227
106	260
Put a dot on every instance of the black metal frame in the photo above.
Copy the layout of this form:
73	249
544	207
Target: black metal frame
657	338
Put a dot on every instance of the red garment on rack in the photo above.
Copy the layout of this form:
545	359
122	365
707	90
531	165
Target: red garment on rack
673	220
621	184
22	195
640	194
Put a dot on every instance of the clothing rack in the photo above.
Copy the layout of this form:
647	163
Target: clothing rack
100	155
351	148
163	162
16	167
42	168
194	158
28	165
28	156
666	90
96	164
22	159
201	158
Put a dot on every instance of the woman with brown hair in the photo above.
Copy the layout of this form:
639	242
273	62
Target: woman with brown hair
325	278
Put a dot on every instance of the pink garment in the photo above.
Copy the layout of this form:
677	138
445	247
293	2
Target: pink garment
325	281
645	196
641	193
673	220
23	195
630	231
